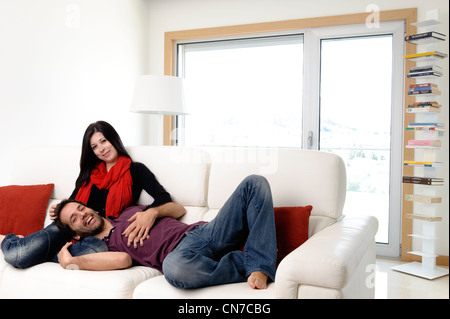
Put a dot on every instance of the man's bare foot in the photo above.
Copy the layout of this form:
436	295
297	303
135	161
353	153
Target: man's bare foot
257	280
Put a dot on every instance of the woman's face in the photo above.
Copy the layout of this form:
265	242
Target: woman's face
103	149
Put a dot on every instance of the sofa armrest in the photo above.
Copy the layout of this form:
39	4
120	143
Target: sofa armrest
329	258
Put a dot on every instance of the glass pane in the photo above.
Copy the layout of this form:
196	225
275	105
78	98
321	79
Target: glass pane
355	120
243	92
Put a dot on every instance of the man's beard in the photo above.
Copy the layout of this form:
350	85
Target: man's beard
83	233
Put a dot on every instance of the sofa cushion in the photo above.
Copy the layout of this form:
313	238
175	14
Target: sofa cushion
193	214
159	288
23	208
292	228
3	265
50	280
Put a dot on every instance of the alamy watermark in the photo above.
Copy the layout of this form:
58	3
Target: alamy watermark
373	19
73	16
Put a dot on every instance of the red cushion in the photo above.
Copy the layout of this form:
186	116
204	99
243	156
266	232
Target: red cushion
292	228
23	208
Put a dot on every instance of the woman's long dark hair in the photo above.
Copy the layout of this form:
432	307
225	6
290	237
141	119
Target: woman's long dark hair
88	159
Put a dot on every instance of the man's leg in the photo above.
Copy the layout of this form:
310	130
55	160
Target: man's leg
210	254
248	218
193	264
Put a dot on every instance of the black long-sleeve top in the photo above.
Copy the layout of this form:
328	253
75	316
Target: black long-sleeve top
143	179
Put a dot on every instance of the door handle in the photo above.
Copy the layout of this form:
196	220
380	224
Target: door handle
310	140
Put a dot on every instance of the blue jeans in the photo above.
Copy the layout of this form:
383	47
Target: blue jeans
44	245
211	254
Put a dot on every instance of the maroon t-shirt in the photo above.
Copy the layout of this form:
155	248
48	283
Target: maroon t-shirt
164	236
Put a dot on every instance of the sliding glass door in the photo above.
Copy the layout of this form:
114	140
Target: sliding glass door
359	102
355	119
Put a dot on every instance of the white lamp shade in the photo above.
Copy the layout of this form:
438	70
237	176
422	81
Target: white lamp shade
158	95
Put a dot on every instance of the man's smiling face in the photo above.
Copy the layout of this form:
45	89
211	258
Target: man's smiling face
82	220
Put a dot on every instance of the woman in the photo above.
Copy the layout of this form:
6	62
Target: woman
109	181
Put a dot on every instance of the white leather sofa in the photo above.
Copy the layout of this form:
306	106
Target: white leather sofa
335	262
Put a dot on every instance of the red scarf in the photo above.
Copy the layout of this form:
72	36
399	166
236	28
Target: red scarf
117	180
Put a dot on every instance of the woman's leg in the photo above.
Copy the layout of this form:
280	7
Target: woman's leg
44	245
33	249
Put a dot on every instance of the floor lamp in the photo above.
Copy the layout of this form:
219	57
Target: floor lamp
161	95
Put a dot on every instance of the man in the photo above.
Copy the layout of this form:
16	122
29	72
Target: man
190	256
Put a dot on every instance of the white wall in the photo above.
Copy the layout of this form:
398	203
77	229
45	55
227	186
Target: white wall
174	15
65	64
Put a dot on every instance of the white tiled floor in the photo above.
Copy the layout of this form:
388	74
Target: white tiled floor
391	284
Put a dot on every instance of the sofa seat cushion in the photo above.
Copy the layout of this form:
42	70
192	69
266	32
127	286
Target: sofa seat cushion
3	265
50	280
193	214
159	288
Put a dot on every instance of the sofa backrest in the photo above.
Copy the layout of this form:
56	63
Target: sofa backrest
203	179
297	177
182	171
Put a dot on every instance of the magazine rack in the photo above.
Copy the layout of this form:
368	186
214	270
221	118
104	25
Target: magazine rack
427	195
